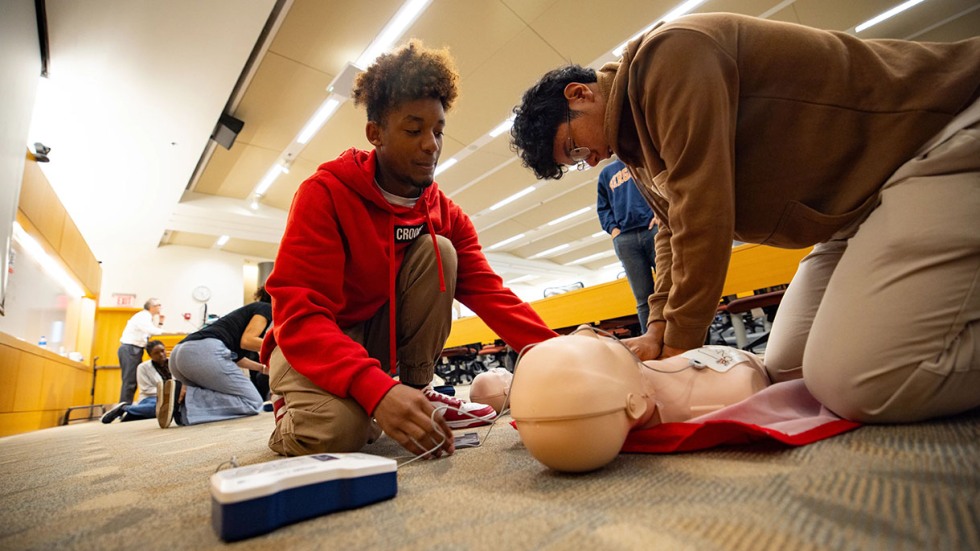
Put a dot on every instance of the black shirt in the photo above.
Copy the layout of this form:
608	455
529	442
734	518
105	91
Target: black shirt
230	327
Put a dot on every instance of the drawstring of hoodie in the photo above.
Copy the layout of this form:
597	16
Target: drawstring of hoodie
392	310
435	245
392	348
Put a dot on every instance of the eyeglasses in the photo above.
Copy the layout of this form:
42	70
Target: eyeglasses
575	153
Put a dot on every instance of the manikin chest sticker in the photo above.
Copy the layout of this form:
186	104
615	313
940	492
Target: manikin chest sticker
717	358
404	234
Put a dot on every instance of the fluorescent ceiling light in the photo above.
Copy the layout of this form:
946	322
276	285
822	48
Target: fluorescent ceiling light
617	265
502	127
221	241
268	179
507	241
520	279
599	233
681	10
569	216
391	32
318	119
403	18
673	14
550	251
445	165
512	198
49	265
886	15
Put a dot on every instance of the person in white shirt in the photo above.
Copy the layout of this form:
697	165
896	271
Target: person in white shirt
148	375
144	324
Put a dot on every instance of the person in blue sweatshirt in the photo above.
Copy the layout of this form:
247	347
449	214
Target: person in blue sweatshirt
625	215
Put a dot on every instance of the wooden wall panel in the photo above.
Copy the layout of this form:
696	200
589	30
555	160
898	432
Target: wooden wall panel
49	222
40	204
109	325
39	386
9	359
20	422
30	378
108	383
77	255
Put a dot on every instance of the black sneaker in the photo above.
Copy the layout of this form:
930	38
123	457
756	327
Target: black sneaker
166	400
113	413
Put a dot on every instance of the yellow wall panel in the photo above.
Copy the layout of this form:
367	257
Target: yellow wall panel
108	383
62	384
30	377
19	422
9	360
38	386
40	204
109	325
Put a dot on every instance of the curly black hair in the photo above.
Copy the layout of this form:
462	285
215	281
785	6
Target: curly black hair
261	295
536	119
409	73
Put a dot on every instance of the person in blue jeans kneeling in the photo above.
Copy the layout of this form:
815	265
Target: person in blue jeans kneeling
625	215
208	365
149	374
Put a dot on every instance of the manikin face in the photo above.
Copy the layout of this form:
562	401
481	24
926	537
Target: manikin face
575	398
408	144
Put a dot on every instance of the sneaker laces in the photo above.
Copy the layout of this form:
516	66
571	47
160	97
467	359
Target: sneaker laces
434	396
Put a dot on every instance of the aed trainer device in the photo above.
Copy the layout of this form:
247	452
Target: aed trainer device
256	499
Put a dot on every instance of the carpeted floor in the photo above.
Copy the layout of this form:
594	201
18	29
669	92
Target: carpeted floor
135	486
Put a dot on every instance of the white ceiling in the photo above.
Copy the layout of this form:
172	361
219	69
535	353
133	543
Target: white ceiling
137	86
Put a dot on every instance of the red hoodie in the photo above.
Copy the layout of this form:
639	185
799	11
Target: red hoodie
330	274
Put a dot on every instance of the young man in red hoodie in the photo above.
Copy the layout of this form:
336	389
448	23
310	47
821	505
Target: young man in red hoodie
371	259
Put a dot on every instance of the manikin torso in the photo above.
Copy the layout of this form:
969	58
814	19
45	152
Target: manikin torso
575	397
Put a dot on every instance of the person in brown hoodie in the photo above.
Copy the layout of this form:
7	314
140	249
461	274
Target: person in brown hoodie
767	132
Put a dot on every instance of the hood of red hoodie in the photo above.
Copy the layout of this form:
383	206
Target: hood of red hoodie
355	168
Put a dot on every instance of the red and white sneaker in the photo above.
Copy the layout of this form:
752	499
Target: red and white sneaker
460	414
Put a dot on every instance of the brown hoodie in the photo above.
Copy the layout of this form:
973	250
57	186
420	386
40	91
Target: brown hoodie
767	132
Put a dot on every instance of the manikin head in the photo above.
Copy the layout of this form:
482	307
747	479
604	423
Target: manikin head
575	398
491	387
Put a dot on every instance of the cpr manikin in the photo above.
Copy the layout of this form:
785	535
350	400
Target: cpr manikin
490	387
574	398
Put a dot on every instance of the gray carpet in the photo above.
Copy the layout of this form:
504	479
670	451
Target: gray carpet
135	486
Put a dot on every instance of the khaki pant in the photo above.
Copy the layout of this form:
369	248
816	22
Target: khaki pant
316	421
882	324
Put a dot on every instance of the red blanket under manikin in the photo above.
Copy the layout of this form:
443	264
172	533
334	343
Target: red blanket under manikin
784	412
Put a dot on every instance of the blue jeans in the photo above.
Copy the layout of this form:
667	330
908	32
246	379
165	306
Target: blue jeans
636	251
216	387
144	409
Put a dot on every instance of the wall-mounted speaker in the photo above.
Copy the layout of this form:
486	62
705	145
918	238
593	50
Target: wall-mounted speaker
227	130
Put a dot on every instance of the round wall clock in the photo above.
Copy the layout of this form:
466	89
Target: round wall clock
201	293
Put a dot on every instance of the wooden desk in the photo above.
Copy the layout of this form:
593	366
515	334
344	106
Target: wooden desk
752	267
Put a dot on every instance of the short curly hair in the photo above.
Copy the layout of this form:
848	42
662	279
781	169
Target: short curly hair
536	119
409	73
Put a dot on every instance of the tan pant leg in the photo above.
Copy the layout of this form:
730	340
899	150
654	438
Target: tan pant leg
425	314
315	421
791	328
319	422
897	335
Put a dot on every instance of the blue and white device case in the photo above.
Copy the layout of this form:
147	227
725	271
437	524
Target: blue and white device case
256	499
